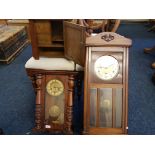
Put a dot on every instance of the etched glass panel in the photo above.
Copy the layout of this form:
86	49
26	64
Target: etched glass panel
93	102
105	106
54	106
119	107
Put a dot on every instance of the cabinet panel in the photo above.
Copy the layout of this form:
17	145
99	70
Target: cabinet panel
43	27
74	42
57	30
44	39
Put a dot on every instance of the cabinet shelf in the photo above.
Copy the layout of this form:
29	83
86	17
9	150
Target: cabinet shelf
52	45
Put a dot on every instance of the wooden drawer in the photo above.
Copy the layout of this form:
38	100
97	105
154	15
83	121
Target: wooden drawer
43	27
44	39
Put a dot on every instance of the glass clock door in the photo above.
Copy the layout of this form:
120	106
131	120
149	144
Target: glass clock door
106	107
54	102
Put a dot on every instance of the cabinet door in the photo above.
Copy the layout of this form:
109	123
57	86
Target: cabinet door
74	42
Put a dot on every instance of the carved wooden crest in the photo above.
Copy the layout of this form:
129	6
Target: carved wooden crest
107	37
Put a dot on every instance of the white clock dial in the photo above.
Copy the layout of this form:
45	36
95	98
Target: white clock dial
106	67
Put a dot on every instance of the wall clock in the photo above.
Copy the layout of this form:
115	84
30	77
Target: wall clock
106	84
54	99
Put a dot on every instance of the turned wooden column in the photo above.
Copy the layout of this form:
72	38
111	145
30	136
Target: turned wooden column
69	107
39	104
33	79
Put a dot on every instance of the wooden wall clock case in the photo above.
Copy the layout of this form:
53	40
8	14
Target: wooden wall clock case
54	99
106	84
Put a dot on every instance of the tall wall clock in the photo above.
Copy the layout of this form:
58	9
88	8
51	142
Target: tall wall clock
106	84
54	99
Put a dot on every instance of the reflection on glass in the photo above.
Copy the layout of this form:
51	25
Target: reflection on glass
93	101
105	101
54	109
118	107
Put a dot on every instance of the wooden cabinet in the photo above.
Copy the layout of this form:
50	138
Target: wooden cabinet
58	38
47	38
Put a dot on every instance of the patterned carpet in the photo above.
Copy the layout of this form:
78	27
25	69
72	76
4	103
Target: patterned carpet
17	97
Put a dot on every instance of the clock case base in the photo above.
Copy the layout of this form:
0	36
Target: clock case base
37	77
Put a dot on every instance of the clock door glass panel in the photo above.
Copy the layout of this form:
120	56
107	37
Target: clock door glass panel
54	106
93	102
118	102
105	106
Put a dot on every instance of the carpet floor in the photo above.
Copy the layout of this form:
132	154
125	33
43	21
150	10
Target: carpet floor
17	98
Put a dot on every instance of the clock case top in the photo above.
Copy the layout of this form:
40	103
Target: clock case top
108	39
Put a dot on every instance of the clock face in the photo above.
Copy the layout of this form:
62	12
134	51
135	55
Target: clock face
106	67
55	87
